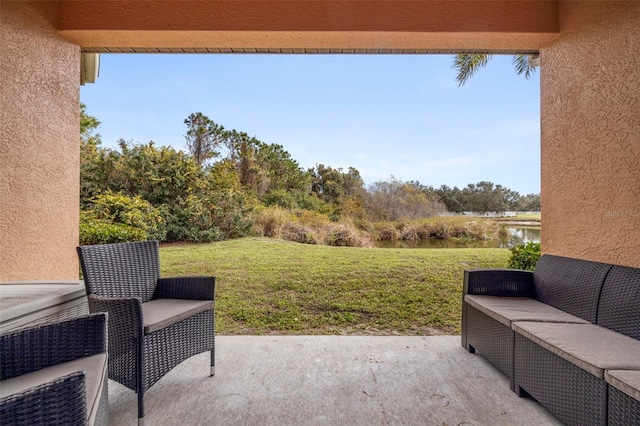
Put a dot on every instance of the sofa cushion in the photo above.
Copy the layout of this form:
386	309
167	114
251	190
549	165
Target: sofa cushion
509	309
627	381
160	313
94	367
590	347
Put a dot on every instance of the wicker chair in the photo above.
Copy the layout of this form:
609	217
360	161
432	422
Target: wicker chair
55	374
154	323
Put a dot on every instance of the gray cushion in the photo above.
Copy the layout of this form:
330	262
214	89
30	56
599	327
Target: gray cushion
590	347
94	367
628	381
509	309
160	313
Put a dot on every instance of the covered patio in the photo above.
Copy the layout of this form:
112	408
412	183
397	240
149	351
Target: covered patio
590	154
332	380
590	98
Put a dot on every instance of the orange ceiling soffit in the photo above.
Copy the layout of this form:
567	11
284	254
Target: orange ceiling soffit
142	23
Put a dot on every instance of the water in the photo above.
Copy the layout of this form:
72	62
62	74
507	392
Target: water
523	234
517	235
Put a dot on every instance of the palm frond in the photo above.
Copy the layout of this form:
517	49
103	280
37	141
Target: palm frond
523	65
467	65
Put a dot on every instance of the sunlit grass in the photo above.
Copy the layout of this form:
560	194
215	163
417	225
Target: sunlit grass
529	216
267	286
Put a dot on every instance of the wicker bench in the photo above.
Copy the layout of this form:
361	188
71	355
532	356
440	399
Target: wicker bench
55	374
558	333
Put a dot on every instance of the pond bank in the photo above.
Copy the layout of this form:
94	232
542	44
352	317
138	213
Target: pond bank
515	222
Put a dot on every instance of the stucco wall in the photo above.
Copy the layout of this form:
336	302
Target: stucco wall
590	108
39	145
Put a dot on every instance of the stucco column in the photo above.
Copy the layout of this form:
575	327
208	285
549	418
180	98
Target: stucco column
39	145
590	141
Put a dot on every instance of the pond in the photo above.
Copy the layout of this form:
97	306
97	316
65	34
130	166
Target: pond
516	235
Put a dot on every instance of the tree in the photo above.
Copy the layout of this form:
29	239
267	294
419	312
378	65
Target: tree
453	198
468	64
196	204
89	153
393	200
203	137
327	183
88	124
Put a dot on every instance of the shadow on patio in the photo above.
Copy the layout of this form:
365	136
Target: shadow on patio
332	380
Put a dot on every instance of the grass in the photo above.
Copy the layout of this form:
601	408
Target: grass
267	286
529	216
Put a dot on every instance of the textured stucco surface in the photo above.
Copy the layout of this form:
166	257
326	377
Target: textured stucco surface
39	145
315	24
590	109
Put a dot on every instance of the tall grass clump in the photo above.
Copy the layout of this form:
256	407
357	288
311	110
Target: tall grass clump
308	227
347	235
441	228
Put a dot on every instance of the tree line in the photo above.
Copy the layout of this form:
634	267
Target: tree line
214	189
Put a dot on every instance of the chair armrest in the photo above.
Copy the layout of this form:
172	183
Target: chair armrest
499	282
192	288
31	349
61	401
125	319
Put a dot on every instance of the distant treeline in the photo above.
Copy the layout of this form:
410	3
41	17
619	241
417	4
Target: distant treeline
222	183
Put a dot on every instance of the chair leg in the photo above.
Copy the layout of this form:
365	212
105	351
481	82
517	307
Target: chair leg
140	384
213	363
520	392
141	408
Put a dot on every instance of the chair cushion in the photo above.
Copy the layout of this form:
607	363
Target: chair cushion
627	381
161	313
590	347
509	309
94	367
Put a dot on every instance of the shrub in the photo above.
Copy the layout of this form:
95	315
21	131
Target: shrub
132	211
190	220
99	231
295	199
525	256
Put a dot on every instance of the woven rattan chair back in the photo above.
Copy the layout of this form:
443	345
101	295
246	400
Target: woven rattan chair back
571	285
619	308
121	270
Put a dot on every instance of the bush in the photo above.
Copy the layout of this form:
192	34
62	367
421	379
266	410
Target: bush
98	231
132	211
525	256
294	199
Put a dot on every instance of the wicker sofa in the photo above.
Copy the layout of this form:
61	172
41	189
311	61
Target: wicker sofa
566	334
55	374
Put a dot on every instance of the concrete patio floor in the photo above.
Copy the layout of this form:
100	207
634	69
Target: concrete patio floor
332	380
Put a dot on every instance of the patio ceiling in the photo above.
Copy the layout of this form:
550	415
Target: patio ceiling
323	26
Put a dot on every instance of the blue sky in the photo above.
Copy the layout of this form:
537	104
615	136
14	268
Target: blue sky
385	115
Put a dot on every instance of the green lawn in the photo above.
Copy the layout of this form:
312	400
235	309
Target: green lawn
267	286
